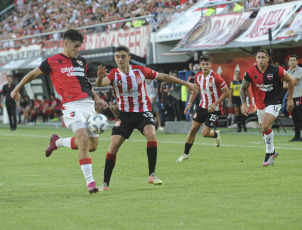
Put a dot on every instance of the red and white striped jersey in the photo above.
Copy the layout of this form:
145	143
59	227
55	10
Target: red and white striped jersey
210	89
130	89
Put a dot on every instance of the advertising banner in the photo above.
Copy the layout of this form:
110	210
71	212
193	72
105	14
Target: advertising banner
21	53
217	30
137	39
179	27
269	17
294	29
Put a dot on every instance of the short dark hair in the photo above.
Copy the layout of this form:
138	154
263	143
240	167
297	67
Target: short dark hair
294	56
73	35
205	58
9	75
263	51
122	48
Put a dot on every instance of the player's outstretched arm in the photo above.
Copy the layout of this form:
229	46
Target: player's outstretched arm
102	73
170	79
28	78
99	103
291	85
245	85
190	102
224	95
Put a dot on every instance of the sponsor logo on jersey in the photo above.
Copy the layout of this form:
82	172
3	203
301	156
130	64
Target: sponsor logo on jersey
138	79
80	62
131	93
72	114
265	88
76	74
72	69
270	76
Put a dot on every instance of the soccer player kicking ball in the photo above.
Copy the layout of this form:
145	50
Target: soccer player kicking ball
68	75
267	87
135	108
213	92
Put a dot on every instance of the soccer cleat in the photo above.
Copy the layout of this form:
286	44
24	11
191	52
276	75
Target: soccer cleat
52	145
92	188
295	139
104	186
183	157
153	179
217	140
269	158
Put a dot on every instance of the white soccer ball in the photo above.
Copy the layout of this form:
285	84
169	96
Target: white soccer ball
97	123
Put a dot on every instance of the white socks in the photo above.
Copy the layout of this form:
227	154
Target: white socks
87	171
269	140
64	142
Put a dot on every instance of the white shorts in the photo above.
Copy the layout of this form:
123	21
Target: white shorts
76	114
271	109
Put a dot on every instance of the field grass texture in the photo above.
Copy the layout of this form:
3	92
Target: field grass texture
217	188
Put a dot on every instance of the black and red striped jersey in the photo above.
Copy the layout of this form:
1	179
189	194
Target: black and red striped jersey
267	87
68	75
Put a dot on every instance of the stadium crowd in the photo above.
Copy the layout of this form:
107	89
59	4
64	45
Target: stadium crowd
42	16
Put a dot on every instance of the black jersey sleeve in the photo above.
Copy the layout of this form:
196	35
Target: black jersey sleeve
247	77
45	67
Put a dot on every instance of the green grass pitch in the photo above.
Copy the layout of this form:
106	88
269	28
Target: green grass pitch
217	188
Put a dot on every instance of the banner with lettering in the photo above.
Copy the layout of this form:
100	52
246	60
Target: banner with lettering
137	39
185	21
294	29
21	53
217	30
269	17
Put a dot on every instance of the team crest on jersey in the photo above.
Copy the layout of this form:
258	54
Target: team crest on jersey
297	103
270	76
72	114
138	79
80	62
117	123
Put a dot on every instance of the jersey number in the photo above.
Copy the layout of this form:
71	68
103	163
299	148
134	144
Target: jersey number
214	117
148	114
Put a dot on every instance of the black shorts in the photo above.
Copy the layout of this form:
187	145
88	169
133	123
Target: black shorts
202	115
236	101
128	121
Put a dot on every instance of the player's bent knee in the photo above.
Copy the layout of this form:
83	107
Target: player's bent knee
205	133
93	148
265	126
193	132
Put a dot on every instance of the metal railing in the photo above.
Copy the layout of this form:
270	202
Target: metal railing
7	9
229	3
